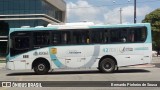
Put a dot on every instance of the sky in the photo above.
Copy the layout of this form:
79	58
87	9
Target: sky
108	11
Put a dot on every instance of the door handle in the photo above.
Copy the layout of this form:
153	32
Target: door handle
128	57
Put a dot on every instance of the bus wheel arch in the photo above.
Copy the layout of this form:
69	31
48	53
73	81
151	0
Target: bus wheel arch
111	60
41	65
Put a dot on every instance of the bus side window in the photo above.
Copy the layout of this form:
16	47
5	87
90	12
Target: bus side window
137	35
81	37
143	34
65	37
61	37
123	35
106	36
114	37
22	43
97	36
41	38
131	36
56	37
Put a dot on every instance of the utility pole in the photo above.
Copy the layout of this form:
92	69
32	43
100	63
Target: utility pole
135	18
120	15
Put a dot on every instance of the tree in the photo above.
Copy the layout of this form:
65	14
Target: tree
154	19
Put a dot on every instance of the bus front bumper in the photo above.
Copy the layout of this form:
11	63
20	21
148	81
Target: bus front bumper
10	65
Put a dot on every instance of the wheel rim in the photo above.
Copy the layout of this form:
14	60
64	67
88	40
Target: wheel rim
107	65
41	67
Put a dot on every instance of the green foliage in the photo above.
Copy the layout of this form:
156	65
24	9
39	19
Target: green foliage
154	19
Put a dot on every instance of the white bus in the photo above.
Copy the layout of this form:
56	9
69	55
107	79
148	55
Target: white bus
105	47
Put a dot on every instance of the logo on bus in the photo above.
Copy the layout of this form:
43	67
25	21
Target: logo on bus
40	53
73	52
53	50
125	49
35	53
122	50
110	50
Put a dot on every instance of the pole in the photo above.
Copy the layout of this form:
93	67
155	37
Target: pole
135	18
120	15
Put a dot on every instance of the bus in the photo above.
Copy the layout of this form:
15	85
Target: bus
79	46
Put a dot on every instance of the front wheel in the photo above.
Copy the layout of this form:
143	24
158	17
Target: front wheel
41	68
107	65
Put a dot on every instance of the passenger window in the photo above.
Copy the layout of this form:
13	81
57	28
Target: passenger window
56	38
97	36
61	37
65	37
81	37
123	35
41	38
131	36
106	36
137	35
22	43
114	35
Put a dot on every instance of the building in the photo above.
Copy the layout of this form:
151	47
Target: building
17	13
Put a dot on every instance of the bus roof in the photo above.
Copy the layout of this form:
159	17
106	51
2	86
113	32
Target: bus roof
77	26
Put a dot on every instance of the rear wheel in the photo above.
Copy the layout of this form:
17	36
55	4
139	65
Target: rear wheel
107	65
41	68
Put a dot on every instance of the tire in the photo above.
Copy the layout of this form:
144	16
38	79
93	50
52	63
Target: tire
107	65
41	68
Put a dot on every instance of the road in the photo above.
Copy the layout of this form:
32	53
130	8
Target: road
141	73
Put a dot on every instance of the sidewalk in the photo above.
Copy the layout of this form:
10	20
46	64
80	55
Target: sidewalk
2	65
156	59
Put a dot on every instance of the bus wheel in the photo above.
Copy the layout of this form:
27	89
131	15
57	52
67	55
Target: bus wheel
41	68
107	65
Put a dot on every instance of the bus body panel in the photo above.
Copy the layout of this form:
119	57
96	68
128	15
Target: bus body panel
72	57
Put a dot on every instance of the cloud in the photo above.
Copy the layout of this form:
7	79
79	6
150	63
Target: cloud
141	11
113	16
82	10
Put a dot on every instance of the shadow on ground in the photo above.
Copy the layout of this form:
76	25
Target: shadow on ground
80	72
